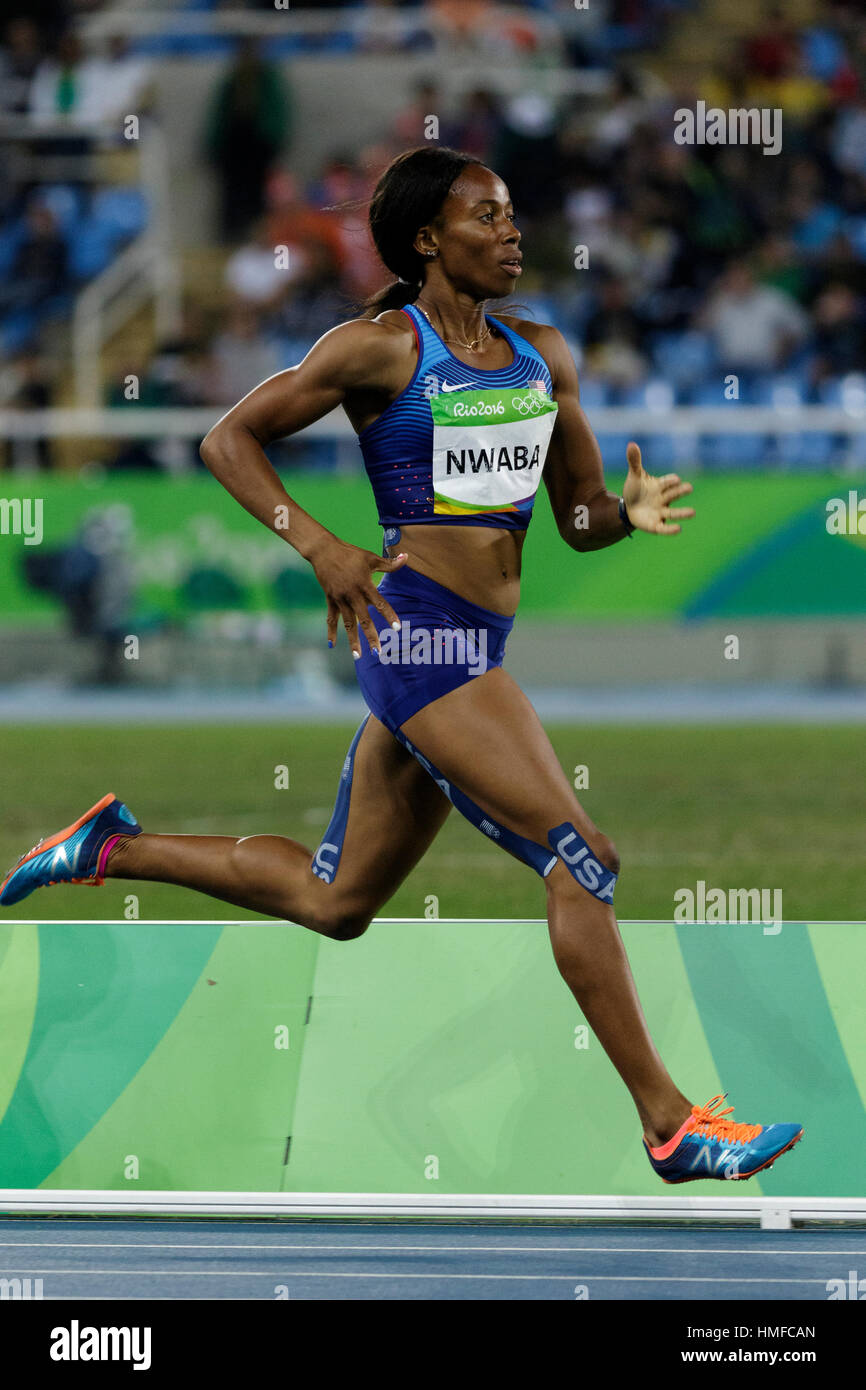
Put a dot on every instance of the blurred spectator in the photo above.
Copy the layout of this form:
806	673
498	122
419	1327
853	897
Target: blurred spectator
174	376
92	576
119	81
849	137
477	128
20	56
527	145
772	49
777	263
622	110
611	338
64	83
315	301
409	126
753	327
260	273
26	385
166	379
768	254
293	221
248	125
40	268
840	342
344	191
481	26
243	355
84	89
636	252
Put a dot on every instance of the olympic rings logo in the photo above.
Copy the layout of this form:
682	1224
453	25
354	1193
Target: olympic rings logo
530	406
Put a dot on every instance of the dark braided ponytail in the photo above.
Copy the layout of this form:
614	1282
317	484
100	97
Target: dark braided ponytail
407	197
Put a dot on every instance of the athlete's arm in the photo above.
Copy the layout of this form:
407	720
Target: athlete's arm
586	514
356	356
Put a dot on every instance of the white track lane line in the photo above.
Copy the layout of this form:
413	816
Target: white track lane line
440	1249
327	1274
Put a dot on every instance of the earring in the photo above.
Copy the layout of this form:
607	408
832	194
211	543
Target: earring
431	255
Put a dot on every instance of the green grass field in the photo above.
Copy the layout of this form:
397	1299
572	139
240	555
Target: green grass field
736	807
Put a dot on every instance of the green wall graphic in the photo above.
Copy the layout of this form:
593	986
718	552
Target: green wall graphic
759	546
199	1051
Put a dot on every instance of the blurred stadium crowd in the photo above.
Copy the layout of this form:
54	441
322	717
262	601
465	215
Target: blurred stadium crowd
703	260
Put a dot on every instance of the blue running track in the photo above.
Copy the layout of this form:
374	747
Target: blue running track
319	1260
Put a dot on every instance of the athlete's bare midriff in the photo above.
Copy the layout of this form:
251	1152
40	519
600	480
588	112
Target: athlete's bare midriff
481	563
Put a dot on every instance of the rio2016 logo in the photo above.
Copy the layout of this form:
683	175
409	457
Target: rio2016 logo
481	408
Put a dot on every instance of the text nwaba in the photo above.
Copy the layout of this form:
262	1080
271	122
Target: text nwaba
493	460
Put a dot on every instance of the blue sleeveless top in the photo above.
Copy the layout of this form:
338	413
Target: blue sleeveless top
462	445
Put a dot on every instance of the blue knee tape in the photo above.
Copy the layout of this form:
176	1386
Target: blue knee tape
581	863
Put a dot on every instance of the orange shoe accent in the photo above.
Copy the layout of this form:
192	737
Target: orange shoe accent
665	1150
710	1122
56	839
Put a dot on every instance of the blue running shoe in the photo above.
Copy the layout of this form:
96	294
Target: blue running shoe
710	1146
77	854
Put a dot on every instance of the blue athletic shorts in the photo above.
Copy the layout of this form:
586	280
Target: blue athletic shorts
444	642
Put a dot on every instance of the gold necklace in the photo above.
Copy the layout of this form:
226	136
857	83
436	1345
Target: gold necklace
470	347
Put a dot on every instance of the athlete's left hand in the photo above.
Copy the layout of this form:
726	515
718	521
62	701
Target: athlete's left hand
648	499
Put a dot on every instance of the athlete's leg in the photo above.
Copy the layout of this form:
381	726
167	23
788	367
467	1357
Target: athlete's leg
394	812
487	740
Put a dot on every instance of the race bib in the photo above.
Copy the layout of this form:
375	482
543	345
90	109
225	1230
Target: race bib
489	449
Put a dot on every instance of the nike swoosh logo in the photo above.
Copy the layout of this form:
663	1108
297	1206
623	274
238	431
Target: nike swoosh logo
464	386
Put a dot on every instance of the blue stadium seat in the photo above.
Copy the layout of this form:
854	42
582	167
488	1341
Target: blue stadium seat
710	392
845	392
16	330
731	452
11	237
723	451
64	202
683	358
593	392
544	308
122	212
823	51
91	248
848	393
292	350
613	447
656	393
855	230
660	452
783	392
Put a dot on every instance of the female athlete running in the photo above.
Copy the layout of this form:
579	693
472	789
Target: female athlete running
457	412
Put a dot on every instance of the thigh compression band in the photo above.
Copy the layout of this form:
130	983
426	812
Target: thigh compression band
564	840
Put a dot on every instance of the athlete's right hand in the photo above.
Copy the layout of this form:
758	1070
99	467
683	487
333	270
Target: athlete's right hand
345	574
